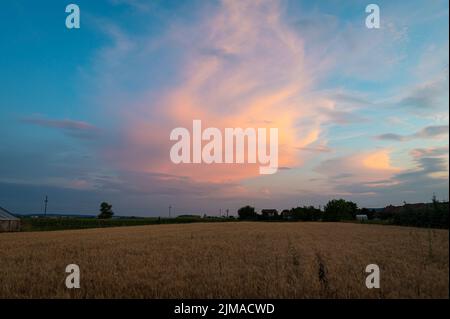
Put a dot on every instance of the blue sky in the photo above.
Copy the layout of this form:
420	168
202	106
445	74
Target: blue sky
85	114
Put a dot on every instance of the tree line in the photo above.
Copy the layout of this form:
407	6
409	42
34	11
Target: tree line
434	215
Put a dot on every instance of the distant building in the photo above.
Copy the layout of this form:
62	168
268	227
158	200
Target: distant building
8	222
362	218
286	214
269	212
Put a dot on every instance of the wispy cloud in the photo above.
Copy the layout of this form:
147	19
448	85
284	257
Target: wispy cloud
78	129
425	133
430	152
316	149
426	96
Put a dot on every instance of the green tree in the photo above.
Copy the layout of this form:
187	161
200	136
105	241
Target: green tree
340	209
247	212
105	211
306	213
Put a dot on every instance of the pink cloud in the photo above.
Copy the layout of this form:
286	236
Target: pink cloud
247	70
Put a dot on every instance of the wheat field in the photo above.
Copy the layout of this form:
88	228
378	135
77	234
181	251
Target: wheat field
227	260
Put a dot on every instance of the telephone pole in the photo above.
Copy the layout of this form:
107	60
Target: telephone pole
170	211
45	205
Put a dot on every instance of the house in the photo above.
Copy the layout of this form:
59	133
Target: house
8	223
269	212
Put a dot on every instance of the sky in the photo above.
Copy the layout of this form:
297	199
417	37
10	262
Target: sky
86	114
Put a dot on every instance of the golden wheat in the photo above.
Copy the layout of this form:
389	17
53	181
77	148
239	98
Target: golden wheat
227	260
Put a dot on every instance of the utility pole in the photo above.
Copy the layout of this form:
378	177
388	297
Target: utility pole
227	212
45	205
170	211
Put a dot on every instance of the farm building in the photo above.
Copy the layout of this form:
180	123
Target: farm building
8	222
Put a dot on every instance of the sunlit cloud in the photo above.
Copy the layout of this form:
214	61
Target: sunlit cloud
246	70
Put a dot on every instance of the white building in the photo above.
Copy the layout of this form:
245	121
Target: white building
362	218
